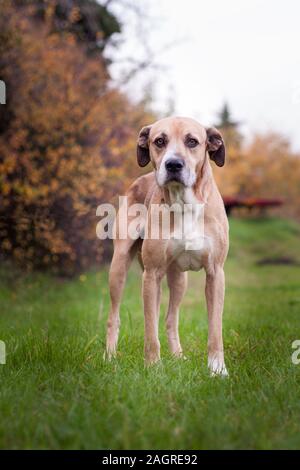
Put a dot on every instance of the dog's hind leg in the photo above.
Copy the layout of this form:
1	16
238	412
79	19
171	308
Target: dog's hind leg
151	287
177	282
122	257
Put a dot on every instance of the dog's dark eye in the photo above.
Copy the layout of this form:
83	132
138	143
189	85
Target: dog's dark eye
159	142
192	142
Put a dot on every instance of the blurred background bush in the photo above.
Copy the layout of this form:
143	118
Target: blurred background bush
67	136
67	139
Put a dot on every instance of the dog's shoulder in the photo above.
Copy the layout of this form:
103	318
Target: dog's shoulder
142	188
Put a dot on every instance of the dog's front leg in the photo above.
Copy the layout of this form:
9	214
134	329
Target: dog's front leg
151	288
122	258
214	291
177	282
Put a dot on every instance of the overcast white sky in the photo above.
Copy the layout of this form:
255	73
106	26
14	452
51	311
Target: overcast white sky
245	52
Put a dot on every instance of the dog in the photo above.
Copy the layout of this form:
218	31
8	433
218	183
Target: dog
180	150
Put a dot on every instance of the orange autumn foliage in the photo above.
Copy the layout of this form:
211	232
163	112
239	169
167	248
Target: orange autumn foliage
266	167
67	143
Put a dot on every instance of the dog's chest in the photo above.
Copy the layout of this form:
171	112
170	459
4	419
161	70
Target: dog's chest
190	254
189	248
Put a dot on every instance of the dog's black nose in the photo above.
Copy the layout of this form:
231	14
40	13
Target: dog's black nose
174	165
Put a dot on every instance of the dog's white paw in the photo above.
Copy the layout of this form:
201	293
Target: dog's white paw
217	366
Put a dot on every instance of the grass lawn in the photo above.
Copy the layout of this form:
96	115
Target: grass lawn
56	391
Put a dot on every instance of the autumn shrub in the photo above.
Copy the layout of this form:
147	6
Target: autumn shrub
67	143
265	167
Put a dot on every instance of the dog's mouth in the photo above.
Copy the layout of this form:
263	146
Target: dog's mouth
185	178
175	179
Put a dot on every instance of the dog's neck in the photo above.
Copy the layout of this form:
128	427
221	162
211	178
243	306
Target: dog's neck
176	193
183	201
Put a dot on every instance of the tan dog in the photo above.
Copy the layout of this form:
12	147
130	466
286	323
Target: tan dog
179	150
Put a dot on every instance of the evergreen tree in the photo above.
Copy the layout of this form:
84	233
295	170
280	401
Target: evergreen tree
229	127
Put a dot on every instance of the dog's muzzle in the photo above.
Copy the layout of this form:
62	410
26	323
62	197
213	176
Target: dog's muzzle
174	169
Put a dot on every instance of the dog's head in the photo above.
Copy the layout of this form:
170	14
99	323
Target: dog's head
177	149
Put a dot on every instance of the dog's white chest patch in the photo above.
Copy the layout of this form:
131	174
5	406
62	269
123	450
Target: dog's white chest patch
191	254
189	247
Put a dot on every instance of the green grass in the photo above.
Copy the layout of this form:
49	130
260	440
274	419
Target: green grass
56	391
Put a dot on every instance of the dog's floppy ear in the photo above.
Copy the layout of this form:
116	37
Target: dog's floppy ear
143	154
215	146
